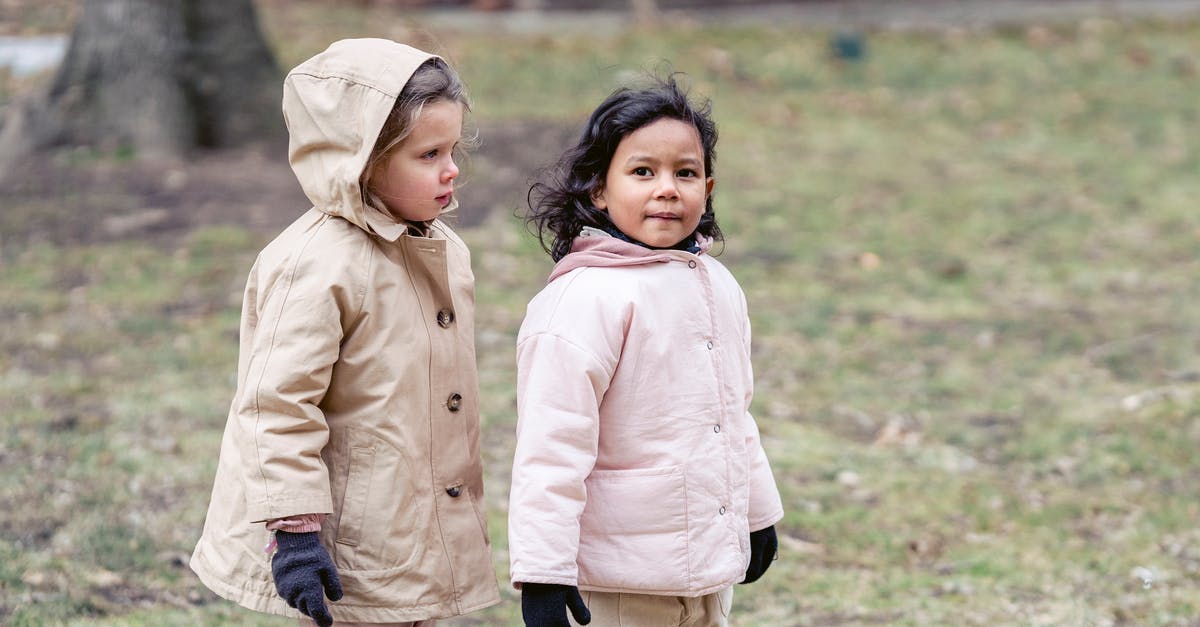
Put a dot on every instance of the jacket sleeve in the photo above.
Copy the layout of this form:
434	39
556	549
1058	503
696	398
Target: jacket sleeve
766	506
559	388
292	350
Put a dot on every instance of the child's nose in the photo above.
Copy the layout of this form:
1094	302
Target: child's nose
666	188
451	171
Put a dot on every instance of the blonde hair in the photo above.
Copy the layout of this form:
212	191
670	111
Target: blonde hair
434	80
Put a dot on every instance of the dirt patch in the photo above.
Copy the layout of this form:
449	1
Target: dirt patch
508	157
73	198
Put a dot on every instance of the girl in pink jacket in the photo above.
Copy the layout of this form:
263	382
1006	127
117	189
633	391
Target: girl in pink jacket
640	490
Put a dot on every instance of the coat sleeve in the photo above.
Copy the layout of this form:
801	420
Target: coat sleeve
766	506
559	389
292	349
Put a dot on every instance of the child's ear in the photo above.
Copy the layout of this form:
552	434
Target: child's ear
708	186
598	200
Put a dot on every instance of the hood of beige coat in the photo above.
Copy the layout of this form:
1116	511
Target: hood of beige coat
334	105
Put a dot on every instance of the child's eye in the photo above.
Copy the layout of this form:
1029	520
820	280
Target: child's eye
432	154
687	173
641	171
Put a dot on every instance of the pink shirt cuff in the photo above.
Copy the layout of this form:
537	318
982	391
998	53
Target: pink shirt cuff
303	523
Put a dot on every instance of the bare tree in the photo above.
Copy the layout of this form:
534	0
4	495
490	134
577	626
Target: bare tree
158	77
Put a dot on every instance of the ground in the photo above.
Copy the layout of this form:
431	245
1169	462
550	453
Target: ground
254	187
83	198
970	261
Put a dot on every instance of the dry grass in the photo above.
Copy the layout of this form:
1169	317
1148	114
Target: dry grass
971	266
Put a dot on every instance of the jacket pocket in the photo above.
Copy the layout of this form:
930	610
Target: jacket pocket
358	490
381	518
634	531
476	501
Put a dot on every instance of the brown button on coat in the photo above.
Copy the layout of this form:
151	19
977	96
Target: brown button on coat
357	392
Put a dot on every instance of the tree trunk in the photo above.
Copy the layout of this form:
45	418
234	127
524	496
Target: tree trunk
157	78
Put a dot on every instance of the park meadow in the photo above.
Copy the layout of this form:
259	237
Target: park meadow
971	259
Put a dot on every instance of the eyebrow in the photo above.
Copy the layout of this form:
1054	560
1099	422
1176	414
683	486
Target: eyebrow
688	161
432	145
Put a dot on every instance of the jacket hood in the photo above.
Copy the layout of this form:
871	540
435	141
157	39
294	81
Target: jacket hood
334	105
595	248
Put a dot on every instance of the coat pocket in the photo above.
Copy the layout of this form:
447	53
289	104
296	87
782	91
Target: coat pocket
381	519
358	491
633	533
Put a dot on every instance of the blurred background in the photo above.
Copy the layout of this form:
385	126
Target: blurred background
967	231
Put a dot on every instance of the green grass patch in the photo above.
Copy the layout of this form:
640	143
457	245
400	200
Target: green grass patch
970	263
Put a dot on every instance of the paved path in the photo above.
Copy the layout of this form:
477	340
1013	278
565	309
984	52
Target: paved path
897	14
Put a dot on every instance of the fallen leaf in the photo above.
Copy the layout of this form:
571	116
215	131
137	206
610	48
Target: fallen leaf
798	545
104	578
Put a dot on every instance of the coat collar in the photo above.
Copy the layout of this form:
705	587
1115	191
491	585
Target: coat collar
596	248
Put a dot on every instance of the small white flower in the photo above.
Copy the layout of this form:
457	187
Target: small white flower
1145	574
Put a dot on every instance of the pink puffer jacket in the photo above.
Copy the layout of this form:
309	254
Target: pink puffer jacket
638	466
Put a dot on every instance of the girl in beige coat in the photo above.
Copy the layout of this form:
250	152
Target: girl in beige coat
351	449
638	477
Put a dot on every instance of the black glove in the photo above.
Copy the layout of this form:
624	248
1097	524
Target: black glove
544	605
763	545
304	575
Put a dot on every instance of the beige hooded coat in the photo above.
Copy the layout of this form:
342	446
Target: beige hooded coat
357	389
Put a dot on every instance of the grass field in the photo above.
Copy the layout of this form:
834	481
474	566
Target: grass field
972	268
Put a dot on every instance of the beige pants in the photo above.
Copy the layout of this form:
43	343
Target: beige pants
307	622
618	609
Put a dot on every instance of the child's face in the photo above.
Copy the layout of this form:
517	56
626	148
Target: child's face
656	187
416	181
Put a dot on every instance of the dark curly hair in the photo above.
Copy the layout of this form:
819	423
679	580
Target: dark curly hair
560	200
